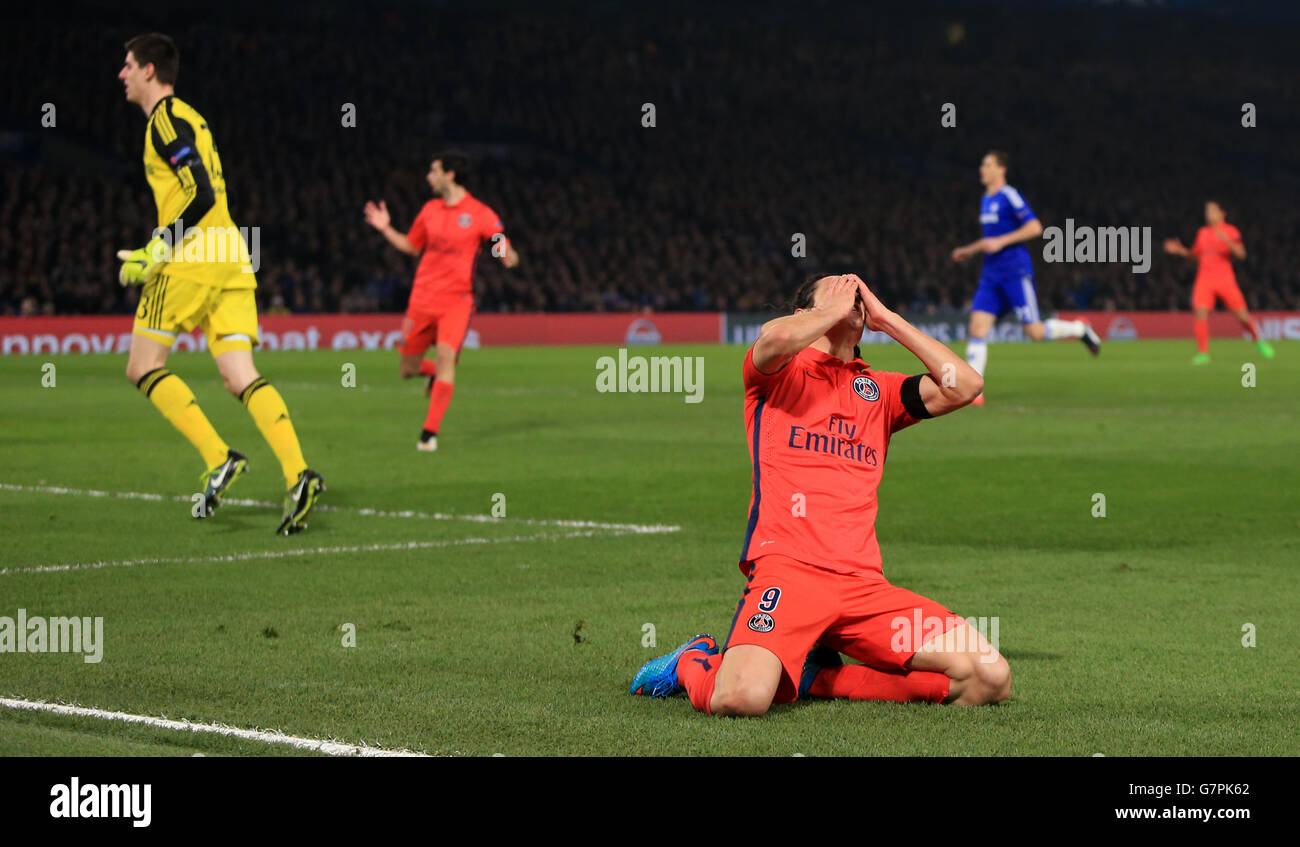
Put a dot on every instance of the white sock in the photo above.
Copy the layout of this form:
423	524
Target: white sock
1053	329
977	354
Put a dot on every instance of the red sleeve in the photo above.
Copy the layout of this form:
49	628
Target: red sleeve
491	223
890	385
419	232
759	381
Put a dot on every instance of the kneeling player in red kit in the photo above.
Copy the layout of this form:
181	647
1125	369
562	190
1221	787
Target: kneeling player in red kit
448	234
819	422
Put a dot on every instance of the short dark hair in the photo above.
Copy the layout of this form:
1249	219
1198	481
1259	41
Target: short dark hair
1001	157
806	293
455	160
160	51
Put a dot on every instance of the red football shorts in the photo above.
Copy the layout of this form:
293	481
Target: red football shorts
1206	291
445	324
788	606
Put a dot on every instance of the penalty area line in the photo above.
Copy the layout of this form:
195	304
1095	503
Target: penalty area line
305	551
329	748
646	529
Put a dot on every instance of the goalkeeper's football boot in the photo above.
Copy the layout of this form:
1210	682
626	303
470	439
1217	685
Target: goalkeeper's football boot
1266	349
819	658
299	500
1201	359
1091	339
658	677
219	479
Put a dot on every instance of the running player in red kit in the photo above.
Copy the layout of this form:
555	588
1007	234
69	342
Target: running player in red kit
819	422
1217	244
450	231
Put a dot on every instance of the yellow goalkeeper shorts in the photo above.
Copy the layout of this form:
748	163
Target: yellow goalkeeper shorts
172	304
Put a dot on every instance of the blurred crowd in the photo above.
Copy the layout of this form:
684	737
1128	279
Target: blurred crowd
818	127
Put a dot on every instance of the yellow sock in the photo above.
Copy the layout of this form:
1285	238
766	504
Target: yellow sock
174	399
270	414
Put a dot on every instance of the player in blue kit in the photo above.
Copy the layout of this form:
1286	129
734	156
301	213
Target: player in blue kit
1007	278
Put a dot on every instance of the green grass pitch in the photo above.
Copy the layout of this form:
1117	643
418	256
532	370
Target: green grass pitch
1124	632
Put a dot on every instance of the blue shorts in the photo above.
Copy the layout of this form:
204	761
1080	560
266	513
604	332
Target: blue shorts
1001	294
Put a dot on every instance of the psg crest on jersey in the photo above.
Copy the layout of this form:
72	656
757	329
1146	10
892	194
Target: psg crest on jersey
762	622
464	220
866	388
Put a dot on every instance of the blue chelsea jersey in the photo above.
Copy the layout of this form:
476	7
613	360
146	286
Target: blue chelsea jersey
1006	211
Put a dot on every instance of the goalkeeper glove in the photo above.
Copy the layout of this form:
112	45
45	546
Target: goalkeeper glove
139	267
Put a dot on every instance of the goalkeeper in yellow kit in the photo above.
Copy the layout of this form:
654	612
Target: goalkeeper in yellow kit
196	272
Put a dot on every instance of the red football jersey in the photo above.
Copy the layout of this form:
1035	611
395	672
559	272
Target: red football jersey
1215	257
818	432
450	238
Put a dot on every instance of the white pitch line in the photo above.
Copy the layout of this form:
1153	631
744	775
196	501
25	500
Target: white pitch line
302	551
369	512
329	748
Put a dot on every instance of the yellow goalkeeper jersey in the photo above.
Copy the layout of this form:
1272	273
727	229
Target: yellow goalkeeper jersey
189	188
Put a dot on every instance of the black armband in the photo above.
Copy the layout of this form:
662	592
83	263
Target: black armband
911	394
180	150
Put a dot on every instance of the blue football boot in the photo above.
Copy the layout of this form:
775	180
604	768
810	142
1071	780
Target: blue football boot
818	659
658	677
